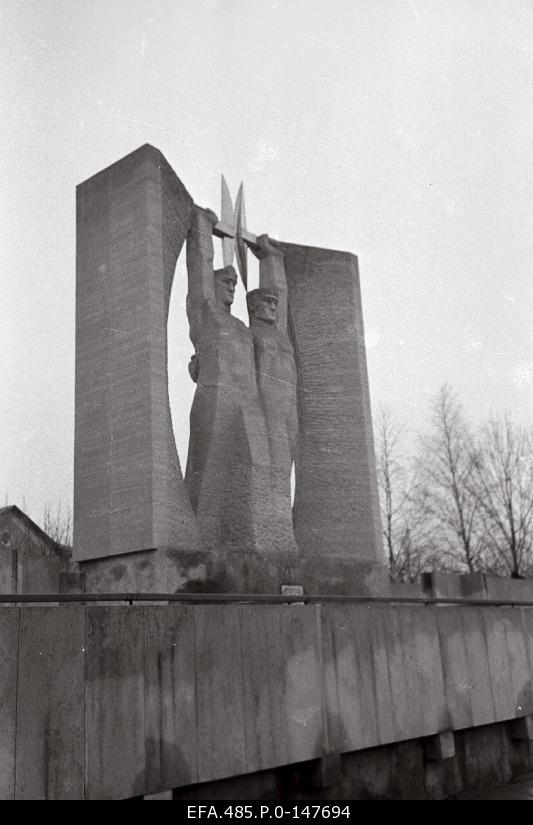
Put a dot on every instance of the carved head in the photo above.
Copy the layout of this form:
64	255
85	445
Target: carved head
263	304
225	282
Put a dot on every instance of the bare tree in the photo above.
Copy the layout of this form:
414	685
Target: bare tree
503	483
447	464
57	523
403	506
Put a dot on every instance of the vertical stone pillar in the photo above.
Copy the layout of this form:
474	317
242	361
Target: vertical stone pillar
132	219
336	508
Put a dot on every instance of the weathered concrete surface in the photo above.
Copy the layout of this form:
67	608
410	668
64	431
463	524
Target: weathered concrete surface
398	771
219	692
336	507
519	788
50	744
303	689
165	570
197	694
115	707
487	668
386	655
170	697
9	637
132	219
266	734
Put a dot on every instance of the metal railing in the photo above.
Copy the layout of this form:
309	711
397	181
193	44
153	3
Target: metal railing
252	598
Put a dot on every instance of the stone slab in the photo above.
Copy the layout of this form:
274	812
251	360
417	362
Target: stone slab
336	506
441	746
9	642
498	660
455	667
521	688
478	678
522	729
303	700
115	711
263	670
50	704
221	739
132	219
170	697
349	682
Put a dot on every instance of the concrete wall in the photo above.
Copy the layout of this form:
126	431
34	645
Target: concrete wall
132	220
336	506
114	702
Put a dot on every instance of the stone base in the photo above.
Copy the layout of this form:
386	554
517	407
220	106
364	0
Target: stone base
174	571
396	771
252	573
148	571
344	577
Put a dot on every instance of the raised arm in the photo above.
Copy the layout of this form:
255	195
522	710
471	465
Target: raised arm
200	267
272	273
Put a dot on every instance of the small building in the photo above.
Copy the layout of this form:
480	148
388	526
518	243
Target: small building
30	560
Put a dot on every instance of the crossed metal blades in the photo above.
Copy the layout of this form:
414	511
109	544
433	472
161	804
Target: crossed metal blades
232	229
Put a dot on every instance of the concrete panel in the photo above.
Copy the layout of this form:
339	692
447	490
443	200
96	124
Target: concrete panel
263	669
303	681
115	715
349	684
439	585
221	742
380	632
511	589
50	704
498	660
336	507
402	664
415	671
430	691
170	698
9	641
527	618
454	667
521	692
132	219
482	705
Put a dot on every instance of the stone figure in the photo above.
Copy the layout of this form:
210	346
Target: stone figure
276	380
227	475
138	525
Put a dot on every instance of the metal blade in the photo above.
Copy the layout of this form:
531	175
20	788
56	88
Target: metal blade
240	214
227	216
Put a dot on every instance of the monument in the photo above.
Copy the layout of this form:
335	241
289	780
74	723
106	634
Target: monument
288	390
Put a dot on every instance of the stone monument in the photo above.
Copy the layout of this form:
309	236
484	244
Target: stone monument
290	389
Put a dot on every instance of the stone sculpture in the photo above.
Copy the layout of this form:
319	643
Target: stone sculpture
290	388
276	380
227	475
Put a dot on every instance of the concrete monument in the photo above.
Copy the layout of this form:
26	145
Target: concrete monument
290	389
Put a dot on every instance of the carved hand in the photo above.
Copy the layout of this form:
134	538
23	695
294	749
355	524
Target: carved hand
265	247
206	213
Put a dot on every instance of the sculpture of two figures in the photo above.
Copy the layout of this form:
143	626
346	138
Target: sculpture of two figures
244	422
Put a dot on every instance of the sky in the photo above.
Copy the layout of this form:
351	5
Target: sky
400	130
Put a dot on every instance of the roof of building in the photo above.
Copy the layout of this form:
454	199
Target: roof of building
31	525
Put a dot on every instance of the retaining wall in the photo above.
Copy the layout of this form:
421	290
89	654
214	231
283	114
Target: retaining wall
104	702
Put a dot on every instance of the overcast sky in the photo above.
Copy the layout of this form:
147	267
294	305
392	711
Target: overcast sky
400	130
